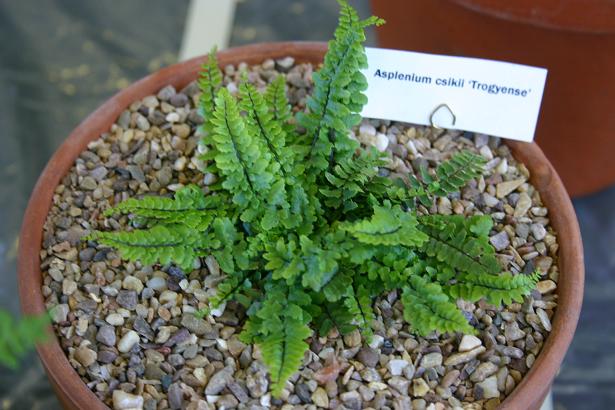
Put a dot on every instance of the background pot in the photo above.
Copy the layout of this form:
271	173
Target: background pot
71	390
574	39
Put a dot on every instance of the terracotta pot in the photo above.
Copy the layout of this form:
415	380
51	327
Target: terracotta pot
71	390
574	39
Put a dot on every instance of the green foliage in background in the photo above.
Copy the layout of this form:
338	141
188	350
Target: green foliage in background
18	336
305	230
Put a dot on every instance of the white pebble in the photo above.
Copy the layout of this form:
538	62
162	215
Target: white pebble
382	142
172	117
490	387
485	151
502	167
157	283
115	319
128	341
396	366
469	342
126	401
376	342
217	312
367	131
180	164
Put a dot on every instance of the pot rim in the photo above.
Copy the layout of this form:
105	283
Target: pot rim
583	17
73	392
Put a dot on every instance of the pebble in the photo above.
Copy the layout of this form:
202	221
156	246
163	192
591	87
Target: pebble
320	398
419	387
469	342
219	380
431	360
353	338
450	378
400	384
483	371
106	356
59	313
126	401
506	187
544	319
175	395
523	205
382	142
546	286
352	400
127	299
142	123
538	231
166	93
463	357
367	131
195	325
85	356
157	283
69	287
284	64
178	100
512	332
500	241
115	319
106	335
132	283
88	183
397	366
489	387
128	341
368	356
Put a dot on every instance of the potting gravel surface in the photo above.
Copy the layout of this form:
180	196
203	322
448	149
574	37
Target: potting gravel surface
130	332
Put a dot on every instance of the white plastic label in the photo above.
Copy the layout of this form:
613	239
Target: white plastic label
485	96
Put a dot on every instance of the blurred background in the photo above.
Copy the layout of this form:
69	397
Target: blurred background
60	59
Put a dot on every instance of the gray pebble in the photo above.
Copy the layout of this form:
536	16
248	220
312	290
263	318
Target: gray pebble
175	396
500	241
106	335
127	299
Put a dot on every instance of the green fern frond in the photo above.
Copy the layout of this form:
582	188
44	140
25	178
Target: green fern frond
451	241
496	289
240	159
387	226
190	207
280	328
350	178
17	337
163	244
277	101
337	97
359	303
210	81
261	123
427	308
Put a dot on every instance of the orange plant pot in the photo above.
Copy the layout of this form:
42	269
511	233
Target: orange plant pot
73	392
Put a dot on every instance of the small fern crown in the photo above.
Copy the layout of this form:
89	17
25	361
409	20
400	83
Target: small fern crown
305	230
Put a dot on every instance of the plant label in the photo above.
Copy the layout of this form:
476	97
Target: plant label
471	94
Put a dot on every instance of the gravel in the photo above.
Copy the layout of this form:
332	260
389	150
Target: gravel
130	331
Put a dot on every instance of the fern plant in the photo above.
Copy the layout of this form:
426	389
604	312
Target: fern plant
305	230
17	337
